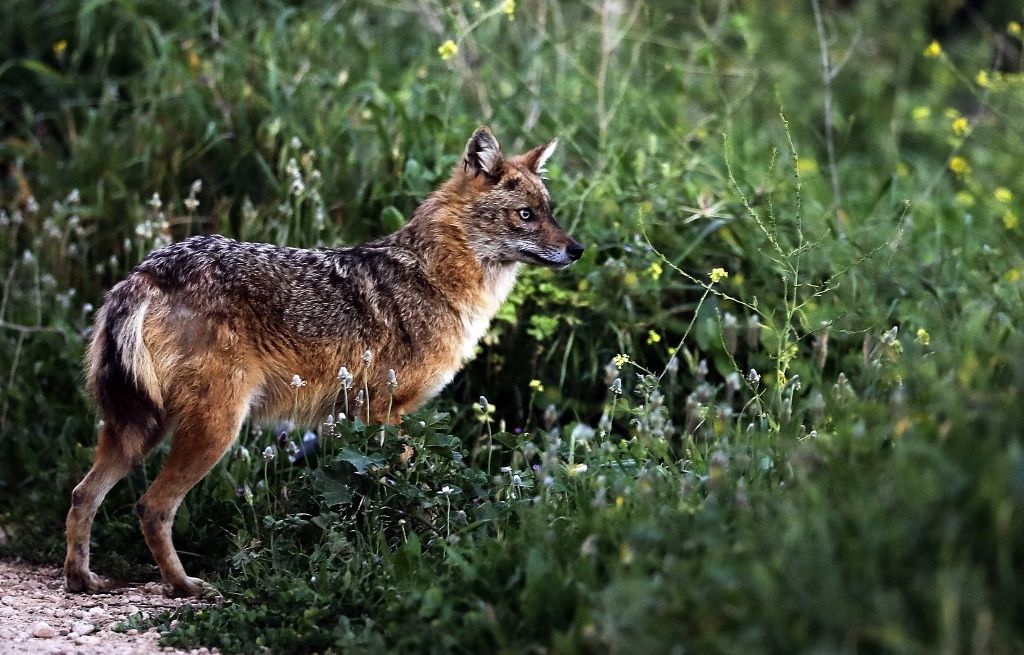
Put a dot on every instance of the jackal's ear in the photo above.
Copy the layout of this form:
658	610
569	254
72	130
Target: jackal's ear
536	158
483	154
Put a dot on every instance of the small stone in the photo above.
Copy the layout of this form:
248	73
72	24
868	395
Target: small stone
43	630
83	628
8	600
132	609
135	598
131	632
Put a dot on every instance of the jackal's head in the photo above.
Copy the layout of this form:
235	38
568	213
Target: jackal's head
510	218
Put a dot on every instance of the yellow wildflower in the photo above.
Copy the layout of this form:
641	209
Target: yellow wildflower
959	165
923	337
960	126
1012	275
193	60
920	114
933	51
1003	195
1010	220
620	360
654	270
447	50
653	337
806	166
965	198
718	274
630	279
625	554
1013	27
981	79
509	9
619	501
60	46
536	386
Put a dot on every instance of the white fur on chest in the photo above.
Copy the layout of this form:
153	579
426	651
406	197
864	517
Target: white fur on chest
498	285
475	321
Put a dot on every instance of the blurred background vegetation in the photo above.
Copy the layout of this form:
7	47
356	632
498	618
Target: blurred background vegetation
853	167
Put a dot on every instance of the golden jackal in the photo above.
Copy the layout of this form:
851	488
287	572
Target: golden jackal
208	331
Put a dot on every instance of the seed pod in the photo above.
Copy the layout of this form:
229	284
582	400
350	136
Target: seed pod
550	417
730	332
821	348
753	331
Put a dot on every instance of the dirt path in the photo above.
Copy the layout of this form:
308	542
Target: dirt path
38	616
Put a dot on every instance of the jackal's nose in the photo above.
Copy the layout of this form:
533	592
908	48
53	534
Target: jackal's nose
574	250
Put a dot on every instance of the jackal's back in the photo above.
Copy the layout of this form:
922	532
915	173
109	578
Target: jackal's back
353	293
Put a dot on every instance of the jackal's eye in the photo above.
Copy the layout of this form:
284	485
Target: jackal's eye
526	214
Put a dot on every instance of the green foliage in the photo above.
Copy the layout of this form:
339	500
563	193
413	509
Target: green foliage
816	447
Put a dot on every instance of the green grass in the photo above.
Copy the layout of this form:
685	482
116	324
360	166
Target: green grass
861	493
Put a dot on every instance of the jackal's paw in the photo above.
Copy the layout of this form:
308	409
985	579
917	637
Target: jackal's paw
85	581
188	587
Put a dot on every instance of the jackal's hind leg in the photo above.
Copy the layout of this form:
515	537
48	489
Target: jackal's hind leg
109	466
200	440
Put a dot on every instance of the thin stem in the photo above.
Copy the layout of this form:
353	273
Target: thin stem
366	391
826	79
490	445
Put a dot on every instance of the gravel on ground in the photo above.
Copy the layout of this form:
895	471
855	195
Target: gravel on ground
37	615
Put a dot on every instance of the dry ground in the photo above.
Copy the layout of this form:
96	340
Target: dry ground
38	616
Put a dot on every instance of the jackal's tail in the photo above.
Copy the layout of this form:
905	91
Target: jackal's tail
121	375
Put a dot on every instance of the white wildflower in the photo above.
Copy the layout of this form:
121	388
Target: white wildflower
345	378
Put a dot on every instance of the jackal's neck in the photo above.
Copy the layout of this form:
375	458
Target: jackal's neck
436	234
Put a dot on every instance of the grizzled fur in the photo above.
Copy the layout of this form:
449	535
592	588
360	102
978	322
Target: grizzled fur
206	332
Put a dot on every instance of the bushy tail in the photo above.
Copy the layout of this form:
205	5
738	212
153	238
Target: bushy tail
121	375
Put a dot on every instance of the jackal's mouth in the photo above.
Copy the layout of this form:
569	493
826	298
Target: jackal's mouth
536	258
